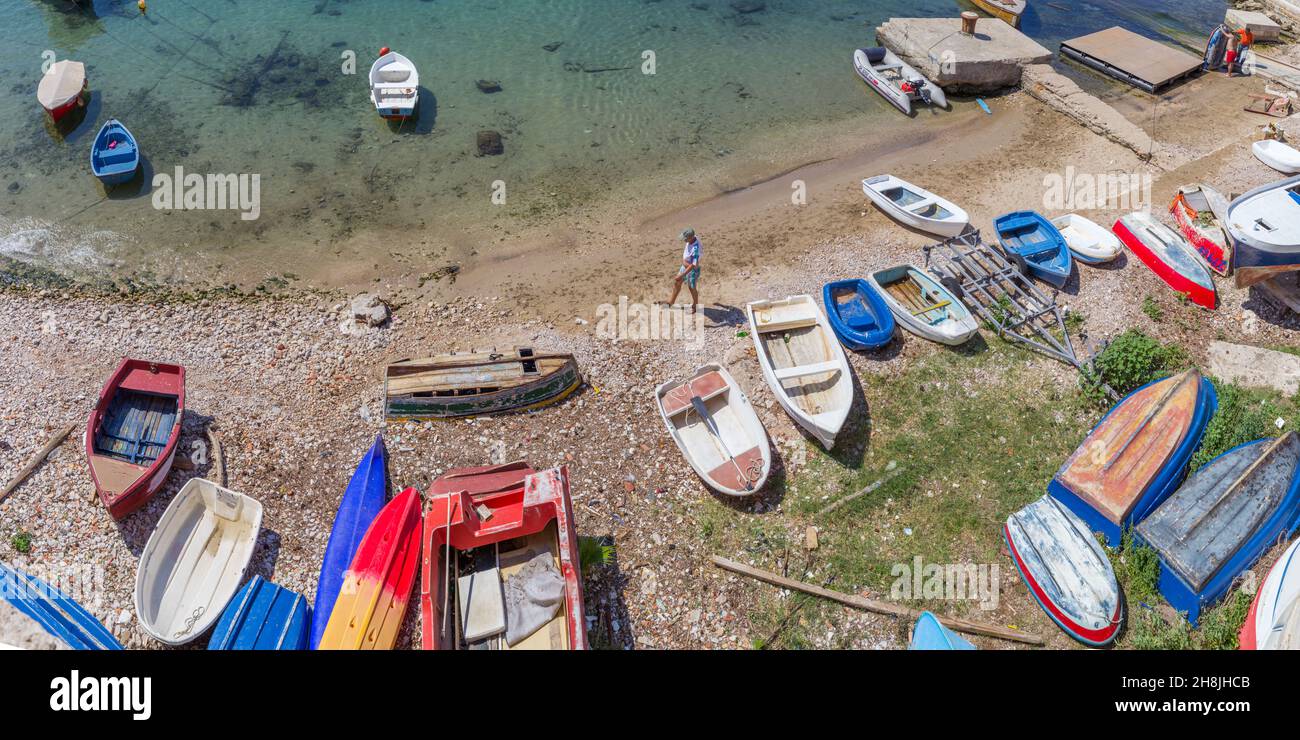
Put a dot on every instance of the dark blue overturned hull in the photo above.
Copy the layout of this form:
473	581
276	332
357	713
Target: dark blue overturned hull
263	616
55	611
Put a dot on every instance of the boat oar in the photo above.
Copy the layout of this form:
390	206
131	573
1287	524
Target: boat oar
697	403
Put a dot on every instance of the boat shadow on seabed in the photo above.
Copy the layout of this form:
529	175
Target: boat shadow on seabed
420	124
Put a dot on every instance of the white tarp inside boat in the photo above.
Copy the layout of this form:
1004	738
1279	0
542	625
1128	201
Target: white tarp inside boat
533	597
61	84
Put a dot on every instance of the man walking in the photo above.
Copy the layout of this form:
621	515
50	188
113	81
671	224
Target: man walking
689	271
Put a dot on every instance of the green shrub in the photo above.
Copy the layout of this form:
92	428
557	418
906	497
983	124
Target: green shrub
1221	625
1152	309
593	552
21	542
1243	416
1137	568
1131	361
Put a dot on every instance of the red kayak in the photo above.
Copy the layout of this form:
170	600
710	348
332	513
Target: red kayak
133	432
1169	256
500	565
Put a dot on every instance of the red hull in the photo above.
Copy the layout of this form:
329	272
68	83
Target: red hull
146	377
1096	637
1196	293
1212	249
58	113
522	503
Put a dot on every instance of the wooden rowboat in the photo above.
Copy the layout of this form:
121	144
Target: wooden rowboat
1274	619
1223	519
1199	210
1169	256
803	363
263	616
1007	10
1137	455
500	567
1034	246
56	612
133	431
194	560
714	425
368	612
923	306
459	385
114	155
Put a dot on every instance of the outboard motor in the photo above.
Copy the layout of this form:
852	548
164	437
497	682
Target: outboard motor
922	90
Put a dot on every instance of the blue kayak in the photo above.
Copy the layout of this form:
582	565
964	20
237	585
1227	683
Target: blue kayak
858	314
114	157
262	616
1032	243
361	503
930	634
54	610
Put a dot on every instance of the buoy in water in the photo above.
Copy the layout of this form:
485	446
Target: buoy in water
143	8
382	51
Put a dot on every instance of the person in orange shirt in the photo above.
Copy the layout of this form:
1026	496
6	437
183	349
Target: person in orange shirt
1244	40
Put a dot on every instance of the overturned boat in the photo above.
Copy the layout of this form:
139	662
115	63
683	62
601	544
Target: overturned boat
1265	227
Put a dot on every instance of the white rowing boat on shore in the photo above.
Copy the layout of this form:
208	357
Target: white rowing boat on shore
1277	155
923	306
915	206
1090	242
717	431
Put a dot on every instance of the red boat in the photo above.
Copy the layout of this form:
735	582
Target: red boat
132	434
1169	256
60	89
1198	210
491	536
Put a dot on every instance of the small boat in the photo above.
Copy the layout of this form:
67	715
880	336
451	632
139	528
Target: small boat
1007	10
1198	210
132	433
1035	247
915	207
1265	227
1223	519
1090	243
1137	454
365	496
896	80
859	314
1066	570
923	306
477	383
803	363
1169	256
61	87
1279	156
263	616
372	603
1216	48
56	612
715	427
394	85
195	560
500	567
114	157
1274	619
930	634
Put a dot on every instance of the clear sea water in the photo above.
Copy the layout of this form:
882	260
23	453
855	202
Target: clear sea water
237	86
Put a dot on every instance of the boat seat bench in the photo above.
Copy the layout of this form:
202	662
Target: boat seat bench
801	371
787	325
136	427
705	387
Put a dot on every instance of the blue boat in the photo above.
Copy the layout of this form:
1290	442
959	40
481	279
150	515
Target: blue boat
858	314
54	610
930	634
361	503
1034	245
263	616
114	157
1223	519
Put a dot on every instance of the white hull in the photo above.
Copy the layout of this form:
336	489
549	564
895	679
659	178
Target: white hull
1267	218
915	206
803	363
1088	241
951	323
1277	155
394	86
729	449
887	76
1277	611
195	560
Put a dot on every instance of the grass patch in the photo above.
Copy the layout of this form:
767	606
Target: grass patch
1152	309
1244	415
21	542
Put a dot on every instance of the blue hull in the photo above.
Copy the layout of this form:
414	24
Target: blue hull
1031	236
54	610
929	634
361	503
116	165
860	317
1164	484
262	616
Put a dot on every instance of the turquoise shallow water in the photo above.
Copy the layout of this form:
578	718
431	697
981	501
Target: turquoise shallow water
259	87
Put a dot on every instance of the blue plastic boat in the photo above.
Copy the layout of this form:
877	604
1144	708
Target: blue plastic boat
930	634
361	503
54	610
858	314
263	616
1032	243
114	157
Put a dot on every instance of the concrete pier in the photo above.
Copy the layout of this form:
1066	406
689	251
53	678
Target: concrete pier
992	58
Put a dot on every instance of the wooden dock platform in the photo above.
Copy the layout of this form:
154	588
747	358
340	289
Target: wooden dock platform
1145	64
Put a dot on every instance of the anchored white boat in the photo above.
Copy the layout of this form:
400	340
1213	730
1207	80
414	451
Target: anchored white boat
394	86
803	363
715	427
923	306
1277	155
915	206
194	561
1090	242
896	80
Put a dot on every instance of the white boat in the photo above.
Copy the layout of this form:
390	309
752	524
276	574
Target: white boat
1275	614
715	427
1265	227
923	306
896	80
394	86
803	363
1277	155
1090	243
915	206
194	560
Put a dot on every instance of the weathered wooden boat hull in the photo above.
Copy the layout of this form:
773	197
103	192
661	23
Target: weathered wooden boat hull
1274	619
1010	12
859	315
362	502
56	612
1223	519
716	429
949	322
1137	454
263	616
539	392
930	634
1210	241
